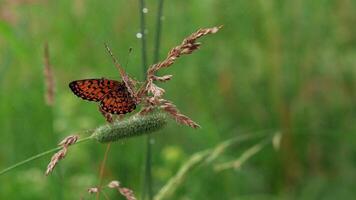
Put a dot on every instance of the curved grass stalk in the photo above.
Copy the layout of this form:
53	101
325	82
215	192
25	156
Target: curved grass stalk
133	126
147	168
206	157
102	168
37	156
148	171
236	164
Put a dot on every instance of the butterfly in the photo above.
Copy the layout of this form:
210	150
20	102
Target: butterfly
113	95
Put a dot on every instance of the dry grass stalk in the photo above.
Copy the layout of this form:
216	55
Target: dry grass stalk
65	143
170	108
93	190
48	77
126	192
114	184
151	95
96	190
188	45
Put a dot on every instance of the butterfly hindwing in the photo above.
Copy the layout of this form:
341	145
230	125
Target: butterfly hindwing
118	102
93	89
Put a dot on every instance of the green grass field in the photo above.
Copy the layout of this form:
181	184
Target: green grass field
275	66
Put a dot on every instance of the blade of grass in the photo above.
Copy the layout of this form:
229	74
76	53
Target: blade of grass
37	156
102	168
236	164
148	162
147	168
158	31
202	157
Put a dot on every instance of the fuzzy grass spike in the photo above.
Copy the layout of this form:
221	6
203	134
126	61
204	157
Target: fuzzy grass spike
134	126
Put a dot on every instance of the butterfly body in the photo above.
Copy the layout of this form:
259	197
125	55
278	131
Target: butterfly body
113	95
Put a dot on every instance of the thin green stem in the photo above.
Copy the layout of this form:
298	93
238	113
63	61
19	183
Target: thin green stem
102	168
147	170
148	163
4	171
143	32
158	31
49	98
207	157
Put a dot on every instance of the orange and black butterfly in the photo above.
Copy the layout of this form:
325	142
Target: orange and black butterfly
113	95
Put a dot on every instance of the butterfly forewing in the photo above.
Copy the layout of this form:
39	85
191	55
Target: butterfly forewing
113	95
93	89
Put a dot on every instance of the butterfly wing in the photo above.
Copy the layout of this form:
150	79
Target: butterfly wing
118	101
93	89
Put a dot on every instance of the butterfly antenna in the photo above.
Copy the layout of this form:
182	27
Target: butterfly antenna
128	56
128	81
117	64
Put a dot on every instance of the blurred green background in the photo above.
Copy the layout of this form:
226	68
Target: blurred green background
287	66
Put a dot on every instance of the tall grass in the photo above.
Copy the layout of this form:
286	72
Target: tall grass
285	65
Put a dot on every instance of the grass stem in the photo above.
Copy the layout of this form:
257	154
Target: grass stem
102	168
37	156
148	163
142	7
147	170
158	31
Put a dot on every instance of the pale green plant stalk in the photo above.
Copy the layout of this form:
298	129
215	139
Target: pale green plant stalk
207	157
49	97
133	126
37	156
148	163
158	31
102	168
236	164
147	167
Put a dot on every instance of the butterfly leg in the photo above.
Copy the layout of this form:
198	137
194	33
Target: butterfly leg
108	116
118	117
148	105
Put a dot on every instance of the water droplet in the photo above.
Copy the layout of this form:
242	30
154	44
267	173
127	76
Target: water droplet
139	35
145	10
152	141
162	18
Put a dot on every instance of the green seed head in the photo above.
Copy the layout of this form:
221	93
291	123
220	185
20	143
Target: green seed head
134	126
